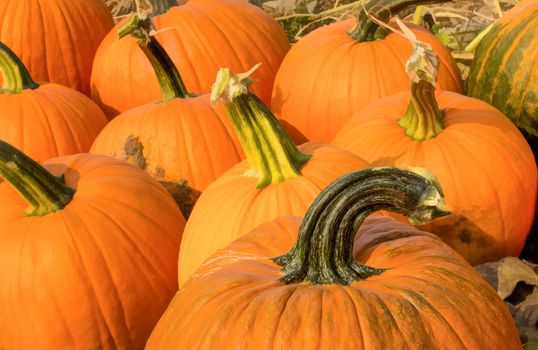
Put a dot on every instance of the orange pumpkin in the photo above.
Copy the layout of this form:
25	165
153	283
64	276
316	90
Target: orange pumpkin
182	141
484	164
389	287
339	68
277	178
56	39
200	36
92	262
44	120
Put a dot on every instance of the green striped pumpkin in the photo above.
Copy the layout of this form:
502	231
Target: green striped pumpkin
505	68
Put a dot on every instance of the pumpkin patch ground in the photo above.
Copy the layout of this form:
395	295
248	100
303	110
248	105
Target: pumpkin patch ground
269	174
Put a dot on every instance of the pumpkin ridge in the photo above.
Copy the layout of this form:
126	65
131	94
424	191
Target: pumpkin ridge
495	189
496	146
72	42
146	262
249	18
521	26
405	294
532	72
90	287
65	116
353	300
493	43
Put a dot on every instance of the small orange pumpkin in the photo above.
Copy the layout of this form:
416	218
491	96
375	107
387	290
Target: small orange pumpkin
56	39
337	69
484	164
389	287
200	36
277	178
91	263
44	120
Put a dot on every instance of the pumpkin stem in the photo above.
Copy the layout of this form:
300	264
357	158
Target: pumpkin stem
423	119
15	76
140	26
382	10
323	252
44	192
270	153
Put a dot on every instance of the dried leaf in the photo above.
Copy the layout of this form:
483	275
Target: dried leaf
511	271
281	5
516	282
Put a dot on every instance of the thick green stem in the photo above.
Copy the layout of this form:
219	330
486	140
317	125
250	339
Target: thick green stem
140	26
323	252
15	76
271	154
423	119
43	192
383	10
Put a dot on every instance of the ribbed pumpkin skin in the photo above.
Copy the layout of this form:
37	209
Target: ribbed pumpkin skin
200	36
485	167
56	39
505	68
178	140
50	121
328	75
232	206
429	299
97	274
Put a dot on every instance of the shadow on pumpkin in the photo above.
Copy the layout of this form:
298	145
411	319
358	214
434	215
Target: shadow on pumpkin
460	233
278	100
109	111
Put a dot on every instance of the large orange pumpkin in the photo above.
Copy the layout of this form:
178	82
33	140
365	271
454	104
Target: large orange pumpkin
182	140
390	287
56	39
91	263
44	120
277	178
200	36
339	68
484	164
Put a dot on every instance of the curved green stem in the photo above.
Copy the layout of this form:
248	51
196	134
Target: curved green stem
383	10
423	119
140	26
43	192
271	154
323	252
15	76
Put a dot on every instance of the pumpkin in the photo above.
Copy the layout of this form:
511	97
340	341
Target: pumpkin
484	164
91	263
200	36
56	39
389	287
339	68
182	140
44	120
504	71
277	178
